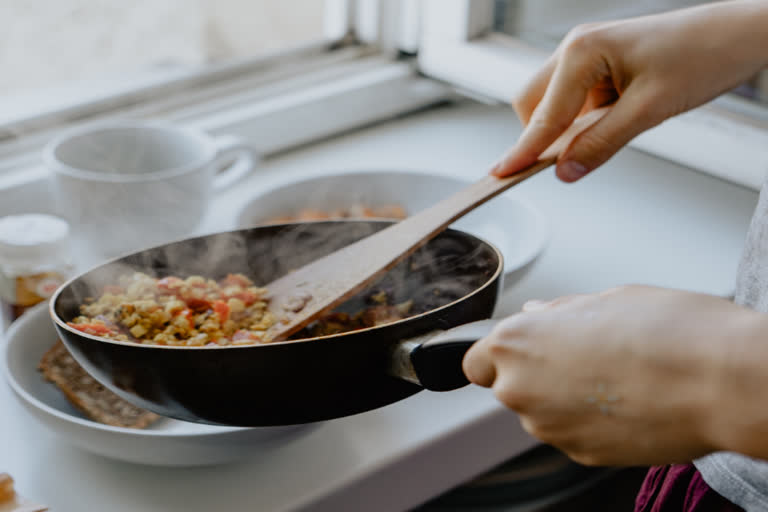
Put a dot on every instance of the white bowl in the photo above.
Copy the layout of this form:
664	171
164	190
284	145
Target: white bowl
169	442
512	224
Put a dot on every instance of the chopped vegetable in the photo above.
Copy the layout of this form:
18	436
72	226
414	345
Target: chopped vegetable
222	309
198	304
172	311
95	329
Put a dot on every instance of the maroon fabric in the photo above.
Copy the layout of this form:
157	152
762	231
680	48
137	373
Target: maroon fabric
679	488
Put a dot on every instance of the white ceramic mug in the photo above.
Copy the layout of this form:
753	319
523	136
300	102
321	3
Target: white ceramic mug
128	185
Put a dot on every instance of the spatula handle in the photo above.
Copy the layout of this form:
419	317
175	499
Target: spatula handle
439	216
423	226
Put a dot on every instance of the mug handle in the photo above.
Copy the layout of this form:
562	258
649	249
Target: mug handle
238	151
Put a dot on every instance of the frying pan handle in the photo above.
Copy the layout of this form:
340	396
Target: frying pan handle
434	361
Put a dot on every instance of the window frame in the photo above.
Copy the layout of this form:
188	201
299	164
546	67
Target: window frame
338	26
458	46
281	99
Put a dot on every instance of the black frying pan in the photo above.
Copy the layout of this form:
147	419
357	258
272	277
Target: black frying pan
453	280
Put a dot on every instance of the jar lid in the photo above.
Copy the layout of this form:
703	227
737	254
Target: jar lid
33	238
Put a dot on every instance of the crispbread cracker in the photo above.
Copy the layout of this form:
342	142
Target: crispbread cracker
85	393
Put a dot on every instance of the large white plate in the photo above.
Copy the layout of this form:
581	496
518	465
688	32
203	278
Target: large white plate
512	224
169	442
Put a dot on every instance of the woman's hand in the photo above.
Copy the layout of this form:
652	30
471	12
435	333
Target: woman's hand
652	67
633	375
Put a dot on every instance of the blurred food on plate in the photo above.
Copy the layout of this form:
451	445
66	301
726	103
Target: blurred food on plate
356	211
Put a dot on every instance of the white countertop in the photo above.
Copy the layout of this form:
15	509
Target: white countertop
638	220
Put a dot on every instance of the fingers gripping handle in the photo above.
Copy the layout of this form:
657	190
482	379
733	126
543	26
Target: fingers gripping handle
434	361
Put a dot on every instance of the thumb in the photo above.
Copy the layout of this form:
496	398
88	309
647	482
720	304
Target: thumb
631	115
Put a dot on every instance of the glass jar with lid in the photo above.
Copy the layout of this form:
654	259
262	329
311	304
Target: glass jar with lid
34	261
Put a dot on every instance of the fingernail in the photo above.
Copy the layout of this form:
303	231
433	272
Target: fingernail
506	165
572	170
499	165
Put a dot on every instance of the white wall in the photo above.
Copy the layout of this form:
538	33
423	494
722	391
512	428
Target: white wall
48	42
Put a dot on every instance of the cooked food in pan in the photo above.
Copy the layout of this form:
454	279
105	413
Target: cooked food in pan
379	313
171	311
202	312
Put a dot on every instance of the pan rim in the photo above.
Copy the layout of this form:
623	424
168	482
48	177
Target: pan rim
497	274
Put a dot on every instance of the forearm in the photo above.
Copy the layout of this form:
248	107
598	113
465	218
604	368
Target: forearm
716	46
738	411
746	35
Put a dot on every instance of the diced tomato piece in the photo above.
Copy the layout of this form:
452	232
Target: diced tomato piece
236	280
245	335
246	296
170	285
95	329
169	282
198	304
222	309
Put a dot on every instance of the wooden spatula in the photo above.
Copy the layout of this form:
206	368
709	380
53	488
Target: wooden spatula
299	297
